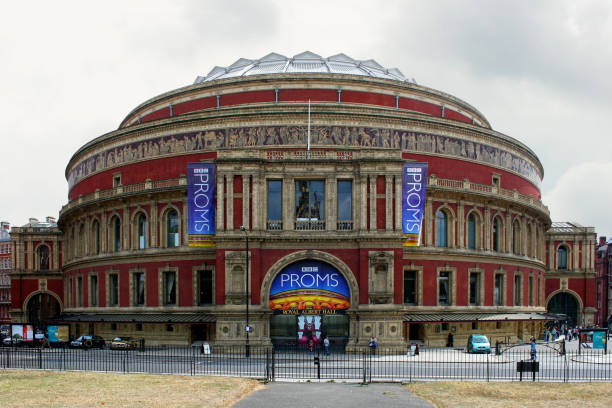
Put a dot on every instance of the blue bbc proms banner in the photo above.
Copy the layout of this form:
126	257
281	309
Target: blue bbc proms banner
201	186
414	184
309	287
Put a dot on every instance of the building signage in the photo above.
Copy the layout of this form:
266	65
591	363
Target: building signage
414	184
201	182
309	287
24	332
58	334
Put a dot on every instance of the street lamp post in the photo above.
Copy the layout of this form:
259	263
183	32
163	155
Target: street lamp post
247	347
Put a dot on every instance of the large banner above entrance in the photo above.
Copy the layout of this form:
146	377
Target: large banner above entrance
201	203
309	287
414	184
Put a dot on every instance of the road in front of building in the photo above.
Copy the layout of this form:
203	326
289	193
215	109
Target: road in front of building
332	395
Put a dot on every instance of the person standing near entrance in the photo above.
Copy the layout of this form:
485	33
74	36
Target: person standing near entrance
449	340
534	356
326	346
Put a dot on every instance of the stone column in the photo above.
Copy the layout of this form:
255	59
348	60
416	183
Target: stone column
509	228
185	223
363	203
331	201
389	202
461	224
230	202
427	223
103	232
259	207
551	254
55	264
126	228
19	258
30	255
246	201
154	223
398	203
487	228
288	205
219	203
524	238
373	202
575	261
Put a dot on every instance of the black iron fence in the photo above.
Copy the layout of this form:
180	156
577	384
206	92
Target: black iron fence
553	362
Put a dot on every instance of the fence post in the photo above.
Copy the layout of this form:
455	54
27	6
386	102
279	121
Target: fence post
488	359
40	358
193	361
273	364
364	366
564	365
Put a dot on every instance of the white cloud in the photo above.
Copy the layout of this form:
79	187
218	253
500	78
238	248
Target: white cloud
583	194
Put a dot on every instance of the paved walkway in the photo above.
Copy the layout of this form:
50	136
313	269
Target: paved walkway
332	395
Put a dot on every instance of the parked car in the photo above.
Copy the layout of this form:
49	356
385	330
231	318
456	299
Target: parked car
88	341
14	341
124	343
478	343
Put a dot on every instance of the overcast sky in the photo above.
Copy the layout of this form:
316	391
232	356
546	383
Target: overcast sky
540	71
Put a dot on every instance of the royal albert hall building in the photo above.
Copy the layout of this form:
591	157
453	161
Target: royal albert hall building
306	157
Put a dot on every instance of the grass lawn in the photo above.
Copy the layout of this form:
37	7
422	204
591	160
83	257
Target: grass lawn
86	389
505	394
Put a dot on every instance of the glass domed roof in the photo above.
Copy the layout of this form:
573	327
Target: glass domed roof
306	62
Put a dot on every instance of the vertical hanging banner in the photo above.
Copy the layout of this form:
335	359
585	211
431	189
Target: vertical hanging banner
201	185
414	184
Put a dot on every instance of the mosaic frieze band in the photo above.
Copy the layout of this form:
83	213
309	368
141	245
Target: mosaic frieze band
346	136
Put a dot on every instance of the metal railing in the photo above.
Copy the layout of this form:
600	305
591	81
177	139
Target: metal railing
312	225
361	365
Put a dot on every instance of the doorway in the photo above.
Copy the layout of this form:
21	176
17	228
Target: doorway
298	330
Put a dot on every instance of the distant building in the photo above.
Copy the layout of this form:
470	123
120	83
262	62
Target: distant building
319	163
603	267
36	279
5	268
570	272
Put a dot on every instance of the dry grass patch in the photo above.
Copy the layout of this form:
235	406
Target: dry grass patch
86	389
511	395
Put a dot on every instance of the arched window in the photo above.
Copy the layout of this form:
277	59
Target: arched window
516	238
142	231
442	229
116	234
562	257
172	229
95	237
43	257
471	230
496	234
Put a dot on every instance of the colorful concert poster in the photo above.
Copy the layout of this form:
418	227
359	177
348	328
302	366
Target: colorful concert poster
309	287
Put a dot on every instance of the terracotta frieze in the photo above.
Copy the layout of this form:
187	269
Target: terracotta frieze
342	136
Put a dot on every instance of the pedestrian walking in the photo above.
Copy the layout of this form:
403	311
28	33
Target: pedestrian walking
326	346
373	344
449	340
534	356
